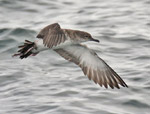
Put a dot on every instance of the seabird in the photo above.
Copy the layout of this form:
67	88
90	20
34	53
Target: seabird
67	43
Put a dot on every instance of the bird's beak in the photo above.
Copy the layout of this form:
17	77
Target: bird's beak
95	40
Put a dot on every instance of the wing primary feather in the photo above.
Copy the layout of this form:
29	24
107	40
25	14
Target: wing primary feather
109	80
55	40
90	74
99	78
121	82
105	80
114	80
95	76
59	38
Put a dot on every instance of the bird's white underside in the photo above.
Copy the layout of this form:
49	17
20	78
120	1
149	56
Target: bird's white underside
86	56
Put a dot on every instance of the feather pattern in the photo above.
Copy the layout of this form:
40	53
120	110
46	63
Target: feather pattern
93	66
52	35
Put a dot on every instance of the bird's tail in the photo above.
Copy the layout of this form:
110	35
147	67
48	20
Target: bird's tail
26	49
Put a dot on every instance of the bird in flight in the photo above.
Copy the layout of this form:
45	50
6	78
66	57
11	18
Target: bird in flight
67	43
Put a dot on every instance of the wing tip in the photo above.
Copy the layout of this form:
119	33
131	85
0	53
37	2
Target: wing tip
112	87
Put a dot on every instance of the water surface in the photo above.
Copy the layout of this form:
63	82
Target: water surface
49	84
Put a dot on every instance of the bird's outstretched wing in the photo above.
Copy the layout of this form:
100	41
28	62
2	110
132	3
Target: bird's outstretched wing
92	66
52	35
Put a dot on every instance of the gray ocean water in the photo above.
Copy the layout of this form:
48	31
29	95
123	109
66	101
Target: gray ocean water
48	84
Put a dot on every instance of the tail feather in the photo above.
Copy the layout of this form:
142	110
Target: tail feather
28	42
25	50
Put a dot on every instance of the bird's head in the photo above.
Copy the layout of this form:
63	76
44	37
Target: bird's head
85	36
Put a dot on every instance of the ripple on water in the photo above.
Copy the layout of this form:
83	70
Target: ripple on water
49	84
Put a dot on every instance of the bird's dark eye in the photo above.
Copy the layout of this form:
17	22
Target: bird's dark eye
86	36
